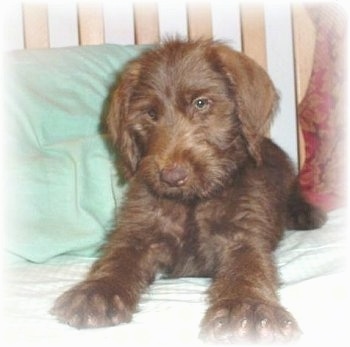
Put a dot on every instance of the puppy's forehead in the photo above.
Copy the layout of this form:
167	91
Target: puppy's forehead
183	66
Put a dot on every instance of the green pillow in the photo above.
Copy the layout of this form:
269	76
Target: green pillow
61	185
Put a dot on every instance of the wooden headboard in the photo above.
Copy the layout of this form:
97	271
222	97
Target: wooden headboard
279	36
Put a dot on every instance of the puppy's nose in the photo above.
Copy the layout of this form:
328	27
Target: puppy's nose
174	175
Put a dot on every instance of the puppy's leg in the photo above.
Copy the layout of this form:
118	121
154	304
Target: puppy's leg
112	289
243	301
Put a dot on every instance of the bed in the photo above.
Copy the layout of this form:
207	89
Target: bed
62	188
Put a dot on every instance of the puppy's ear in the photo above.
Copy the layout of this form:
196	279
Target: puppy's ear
117	120
254	92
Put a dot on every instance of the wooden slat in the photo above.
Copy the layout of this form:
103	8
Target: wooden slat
301	148
35	23
304	46
199	20
146	23
91	29
253	32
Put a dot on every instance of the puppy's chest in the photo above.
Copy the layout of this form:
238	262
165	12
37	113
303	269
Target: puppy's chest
200	233
191	223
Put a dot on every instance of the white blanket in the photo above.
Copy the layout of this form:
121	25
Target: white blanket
313	288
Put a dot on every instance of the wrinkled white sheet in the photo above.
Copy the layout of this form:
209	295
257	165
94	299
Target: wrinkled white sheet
312	268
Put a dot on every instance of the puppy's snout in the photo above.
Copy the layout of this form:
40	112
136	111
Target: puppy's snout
174	175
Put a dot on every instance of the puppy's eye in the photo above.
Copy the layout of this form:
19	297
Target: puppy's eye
152	113
201	103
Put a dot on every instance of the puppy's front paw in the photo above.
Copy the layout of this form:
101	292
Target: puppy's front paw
235	321
92	304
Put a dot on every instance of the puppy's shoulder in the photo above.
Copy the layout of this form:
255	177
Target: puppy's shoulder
273	155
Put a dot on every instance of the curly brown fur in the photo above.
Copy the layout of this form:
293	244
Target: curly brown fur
209	194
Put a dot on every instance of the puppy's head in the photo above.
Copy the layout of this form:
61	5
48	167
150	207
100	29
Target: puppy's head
186	115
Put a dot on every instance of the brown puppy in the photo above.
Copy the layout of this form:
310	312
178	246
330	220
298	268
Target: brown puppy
209	194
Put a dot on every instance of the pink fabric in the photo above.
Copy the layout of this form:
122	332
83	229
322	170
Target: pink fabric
321	113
